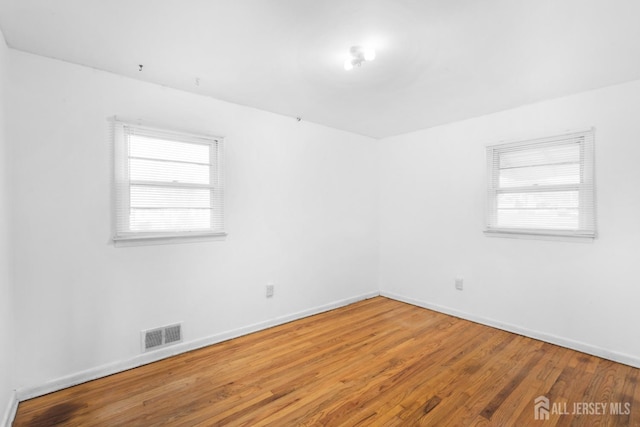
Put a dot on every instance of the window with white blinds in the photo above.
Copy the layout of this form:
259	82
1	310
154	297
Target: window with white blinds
543	187
167	184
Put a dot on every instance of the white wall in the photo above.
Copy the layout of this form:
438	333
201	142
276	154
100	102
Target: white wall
307	209
301	210
6	285
433	187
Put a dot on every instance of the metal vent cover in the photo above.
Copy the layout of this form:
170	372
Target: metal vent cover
153	339
161	337
172	334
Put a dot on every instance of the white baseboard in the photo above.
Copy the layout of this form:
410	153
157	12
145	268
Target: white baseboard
542	336
10	412
146	358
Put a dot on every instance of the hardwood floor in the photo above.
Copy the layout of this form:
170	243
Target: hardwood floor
376	362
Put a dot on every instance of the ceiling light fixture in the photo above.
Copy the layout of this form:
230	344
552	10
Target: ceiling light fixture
358	55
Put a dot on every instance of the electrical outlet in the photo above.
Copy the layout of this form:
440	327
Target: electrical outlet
459	283
270	289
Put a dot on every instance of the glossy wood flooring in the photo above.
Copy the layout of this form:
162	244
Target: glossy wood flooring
377	362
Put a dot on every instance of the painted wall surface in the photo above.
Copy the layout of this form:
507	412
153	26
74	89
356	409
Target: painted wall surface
433	189
325	215
6	286
300	203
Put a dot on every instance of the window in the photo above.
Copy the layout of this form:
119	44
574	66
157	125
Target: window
542	187
168	185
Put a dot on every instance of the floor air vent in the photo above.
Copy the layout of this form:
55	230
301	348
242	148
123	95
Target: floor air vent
161	337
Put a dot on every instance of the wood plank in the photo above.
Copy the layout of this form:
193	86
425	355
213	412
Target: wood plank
376	362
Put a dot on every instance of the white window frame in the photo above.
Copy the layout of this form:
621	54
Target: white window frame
587	229
122	234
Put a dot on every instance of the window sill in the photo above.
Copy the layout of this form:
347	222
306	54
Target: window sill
540	235
141	240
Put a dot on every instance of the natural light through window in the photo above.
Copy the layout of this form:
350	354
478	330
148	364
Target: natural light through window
542	187
167	184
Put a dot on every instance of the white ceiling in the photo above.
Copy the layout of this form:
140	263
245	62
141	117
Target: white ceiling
437	61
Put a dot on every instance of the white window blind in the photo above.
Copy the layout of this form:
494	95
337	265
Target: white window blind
167	184
543	186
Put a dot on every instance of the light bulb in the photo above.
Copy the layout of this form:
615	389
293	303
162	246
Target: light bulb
348	65
369	54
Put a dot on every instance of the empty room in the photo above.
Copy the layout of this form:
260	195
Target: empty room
329	212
